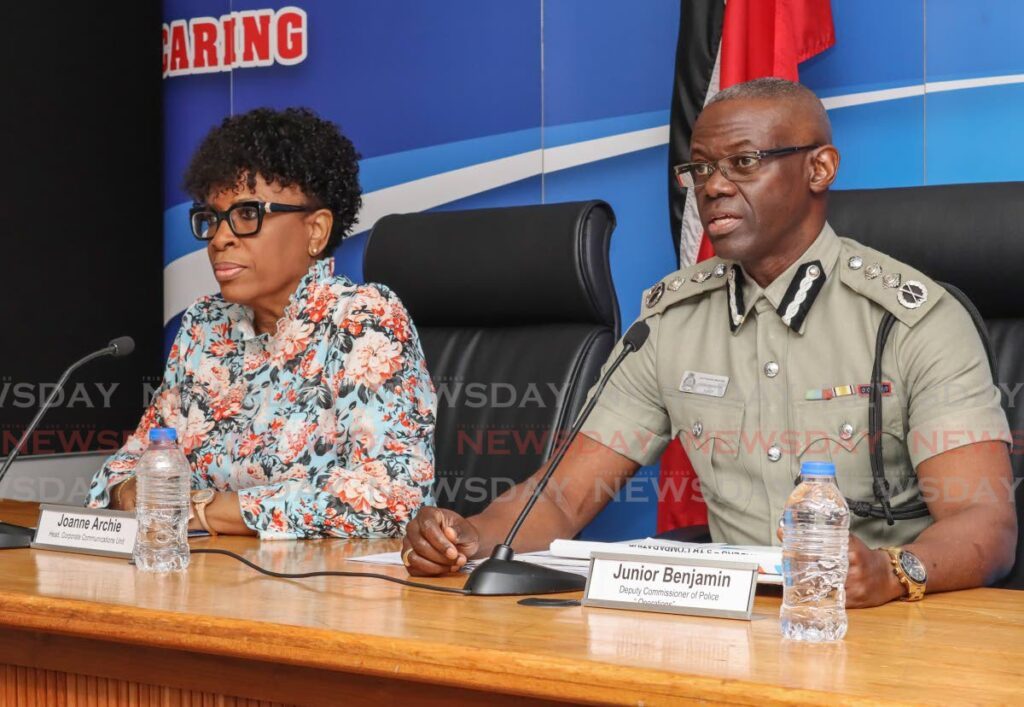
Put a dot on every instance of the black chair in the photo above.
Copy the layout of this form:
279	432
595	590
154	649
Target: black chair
516	311
971	236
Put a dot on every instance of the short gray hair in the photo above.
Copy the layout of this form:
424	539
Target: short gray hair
774	88
769	87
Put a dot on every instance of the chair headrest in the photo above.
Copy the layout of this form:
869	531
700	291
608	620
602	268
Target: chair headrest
496	267
969	235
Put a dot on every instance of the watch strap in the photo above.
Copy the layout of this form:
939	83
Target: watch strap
915	590
200	508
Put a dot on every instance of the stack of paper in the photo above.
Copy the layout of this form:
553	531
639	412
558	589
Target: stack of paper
567	564
768	559
574	555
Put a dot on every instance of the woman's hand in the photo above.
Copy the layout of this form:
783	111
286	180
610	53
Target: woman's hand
123	495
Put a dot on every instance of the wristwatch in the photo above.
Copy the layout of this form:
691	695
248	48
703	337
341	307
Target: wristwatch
910	571
200	500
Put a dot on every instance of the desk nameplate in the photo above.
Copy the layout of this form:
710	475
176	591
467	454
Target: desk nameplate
90	531
673	585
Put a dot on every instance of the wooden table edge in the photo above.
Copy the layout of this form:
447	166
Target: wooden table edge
415	660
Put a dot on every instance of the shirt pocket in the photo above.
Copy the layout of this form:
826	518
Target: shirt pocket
837	431
710	431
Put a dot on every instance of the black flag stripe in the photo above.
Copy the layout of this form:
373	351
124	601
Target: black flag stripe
700	35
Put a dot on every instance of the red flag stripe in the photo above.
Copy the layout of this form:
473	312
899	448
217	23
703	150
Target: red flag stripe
759	38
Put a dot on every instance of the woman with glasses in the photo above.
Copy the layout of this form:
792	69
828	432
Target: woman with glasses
301	399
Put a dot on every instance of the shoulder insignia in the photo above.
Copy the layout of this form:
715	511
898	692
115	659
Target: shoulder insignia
897	287
683	285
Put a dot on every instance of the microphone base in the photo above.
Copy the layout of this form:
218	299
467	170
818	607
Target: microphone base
14	536
500	575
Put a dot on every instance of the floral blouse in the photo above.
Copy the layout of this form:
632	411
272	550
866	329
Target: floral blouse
324	429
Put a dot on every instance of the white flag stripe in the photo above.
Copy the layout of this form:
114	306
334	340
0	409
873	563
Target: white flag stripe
691	230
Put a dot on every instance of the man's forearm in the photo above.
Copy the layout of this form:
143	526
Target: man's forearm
589	476
972	548
547	520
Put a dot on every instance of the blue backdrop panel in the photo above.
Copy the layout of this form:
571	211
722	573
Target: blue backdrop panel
976	136
606	58
192	105
401	74
880	144
428	88
972	39
879	45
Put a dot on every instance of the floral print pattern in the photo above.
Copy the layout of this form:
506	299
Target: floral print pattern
324	429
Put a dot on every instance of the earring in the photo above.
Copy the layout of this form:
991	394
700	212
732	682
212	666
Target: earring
313	252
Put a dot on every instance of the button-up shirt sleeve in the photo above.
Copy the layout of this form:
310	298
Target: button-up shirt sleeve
378	411
630	417
953	401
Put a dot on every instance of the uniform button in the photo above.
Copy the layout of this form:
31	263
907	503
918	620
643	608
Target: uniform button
855	263
774	453
846	430
698	428
771	369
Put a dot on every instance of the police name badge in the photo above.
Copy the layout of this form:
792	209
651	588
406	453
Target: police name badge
704	384
672	585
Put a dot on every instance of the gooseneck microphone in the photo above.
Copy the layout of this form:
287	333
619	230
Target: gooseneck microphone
500	574
14	536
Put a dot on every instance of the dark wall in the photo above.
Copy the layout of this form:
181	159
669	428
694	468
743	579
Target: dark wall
80	216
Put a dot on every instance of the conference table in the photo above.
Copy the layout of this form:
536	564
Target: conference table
84	630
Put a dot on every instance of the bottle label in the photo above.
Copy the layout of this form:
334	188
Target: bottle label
86	530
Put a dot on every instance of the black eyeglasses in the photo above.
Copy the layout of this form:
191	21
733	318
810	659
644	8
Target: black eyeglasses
736	168
244	218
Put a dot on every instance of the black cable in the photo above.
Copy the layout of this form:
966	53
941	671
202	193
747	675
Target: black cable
331	573
880	484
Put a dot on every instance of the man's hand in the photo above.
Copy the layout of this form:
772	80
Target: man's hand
871	581
438	541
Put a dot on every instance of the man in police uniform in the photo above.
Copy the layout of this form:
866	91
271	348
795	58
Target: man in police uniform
761	358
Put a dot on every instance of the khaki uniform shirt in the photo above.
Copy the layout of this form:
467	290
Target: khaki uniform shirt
754	382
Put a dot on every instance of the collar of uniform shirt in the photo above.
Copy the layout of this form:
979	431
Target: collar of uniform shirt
825	249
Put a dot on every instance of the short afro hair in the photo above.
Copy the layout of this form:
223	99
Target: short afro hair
292	147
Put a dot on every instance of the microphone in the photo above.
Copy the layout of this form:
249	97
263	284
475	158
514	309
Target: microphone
16	536
121	346
500	574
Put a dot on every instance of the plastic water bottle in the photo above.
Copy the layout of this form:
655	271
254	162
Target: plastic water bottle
162	504
815	540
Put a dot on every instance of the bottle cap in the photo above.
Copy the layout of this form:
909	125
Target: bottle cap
163	434
817	469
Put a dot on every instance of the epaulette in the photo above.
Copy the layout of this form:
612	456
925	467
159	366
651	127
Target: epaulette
682	285
905	291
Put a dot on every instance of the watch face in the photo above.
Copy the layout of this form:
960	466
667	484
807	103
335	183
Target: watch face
913	567
202	496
